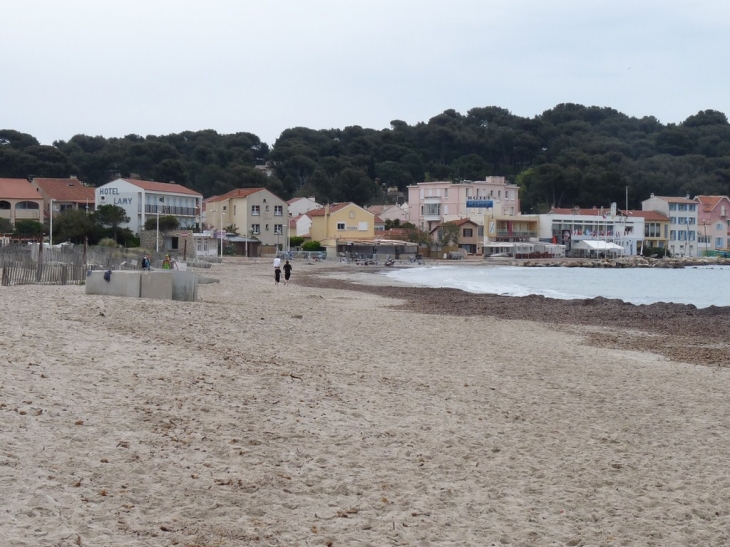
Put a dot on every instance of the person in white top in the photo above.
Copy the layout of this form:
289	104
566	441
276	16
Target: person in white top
277	270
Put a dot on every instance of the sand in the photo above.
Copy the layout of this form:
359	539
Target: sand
308	415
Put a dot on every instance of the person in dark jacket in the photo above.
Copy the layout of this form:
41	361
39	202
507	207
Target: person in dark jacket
287	272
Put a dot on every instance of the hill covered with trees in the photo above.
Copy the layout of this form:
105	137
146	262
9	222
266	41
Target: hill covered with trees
571	155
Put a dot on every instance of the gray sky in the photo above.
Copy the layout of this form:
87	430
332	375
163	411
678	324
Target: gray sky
115	67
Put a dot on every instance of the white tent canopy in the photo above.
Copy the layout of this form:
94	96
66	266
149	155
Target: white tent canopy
505	248
598	246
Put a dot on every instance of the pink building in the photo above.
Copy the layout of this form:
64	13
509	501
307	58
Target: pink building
432	203
713	223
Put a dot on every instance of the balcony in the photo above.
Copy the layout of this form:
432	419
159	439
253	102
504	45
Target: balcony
167	210
516	233
432	218
432	199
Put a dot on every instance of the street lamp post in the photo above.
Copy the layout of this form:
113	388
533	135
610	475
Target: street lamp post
220	232
50	222
157	237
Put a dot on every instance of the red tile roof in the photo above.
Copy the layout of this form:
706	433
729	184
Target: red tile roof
70	189
18	189
710	202
463	221
236	193
376	209
334	207
161	187
394	233
647	215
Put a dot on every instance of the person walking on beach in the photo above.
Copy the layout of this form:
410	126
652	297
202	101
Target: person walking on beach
277	270
287	272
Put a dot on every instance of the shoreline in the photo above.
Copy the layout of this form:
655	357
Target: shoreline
677	331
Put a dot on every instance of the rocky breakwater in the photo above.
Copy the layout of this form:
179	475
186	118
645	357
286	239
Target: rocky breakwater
624	262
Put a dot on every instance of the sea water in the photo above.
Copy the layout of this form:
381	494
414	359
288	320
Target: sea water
702	286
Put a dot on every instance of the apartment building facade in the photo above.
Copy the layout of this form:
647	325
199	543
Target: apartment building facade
683	219
433	203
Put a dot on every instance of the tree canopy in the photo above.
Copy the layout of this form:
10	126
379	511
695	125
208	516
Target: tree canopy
111	215
570	155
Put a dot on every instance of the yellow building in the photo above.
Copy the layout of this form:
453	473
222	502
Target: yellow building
341	221
656	228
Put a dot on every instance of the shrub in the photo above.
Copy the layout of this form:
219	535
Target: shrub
312	246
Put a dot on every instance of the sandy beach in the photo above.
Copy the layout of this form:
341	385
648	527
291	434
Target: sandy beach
331	413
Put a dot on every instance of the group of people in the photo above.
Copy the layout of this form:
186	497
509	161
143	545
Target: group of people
167	263
277	271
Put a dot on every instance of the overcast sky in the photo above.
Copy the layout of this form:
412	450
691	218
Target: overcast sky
115	67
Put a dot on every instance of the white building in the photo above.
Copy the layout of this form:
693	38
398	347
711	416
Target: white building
143	199
299	206
570	226
300	225
683	214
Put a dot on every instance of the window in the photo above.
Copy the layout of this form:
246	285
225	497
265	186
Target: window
225	208
340	225
468	232
27	205
718	243
480	231
278	210
234	210
362	226
255	210
255	229
719	226
278	230
446	192
432	209
672	206
267	207
652	229
672	234
267	227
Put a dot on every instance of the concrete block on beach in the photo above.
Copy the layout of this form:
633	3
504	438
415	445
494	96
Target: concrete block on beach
156	285
121	283
164	285
184	286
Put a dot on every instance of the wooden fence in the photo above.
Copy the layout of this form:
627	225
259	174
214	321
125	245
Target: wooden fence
28	264
16	273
